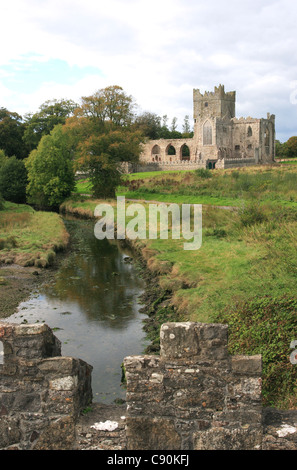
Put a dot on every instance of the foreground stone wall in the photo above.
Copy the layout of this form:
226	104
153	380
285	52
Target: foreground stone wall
194	395
41	393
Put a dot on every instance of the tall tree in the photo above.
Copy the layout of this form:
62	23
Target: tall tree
109	105
280	149
13	180
11	134
149	124
101	154
103	136
50	170
291	147
165	121
173	124
101	157
186	127
3	158
50	114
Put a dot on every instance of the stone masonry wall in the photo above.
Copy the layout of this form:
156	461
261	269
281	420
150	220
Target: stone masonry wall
41	392
161	166
194	395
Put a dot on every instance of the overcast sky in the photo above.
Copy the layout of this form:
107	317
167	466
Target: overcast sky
156	50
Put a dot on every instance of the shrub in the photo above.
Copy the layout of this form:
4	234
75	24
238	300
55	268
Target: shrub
203	173
244	182
251	214
235	174
13	180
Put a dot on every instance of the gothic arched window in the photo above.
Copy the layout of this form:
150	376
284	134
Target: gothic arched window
207	133
185	152
156	150
170	150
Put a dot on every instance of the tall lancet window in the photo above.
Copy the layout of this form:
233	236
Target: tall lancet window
207	133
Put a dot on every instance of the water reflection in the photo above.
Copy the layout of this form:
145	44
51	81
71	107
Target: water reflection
98	278
93	307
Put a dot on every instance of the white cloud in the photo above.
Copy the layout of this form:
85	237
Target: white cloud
158	51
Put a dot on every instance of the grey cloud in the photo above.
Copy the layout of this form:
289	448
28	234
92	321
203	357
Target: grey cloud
249	47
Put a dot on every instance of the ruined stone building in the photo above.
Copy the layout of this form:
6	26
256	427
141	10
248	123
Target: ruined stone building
220	139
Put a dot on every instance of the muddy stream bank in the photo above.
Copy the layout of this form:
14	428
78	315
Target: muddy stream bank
92	298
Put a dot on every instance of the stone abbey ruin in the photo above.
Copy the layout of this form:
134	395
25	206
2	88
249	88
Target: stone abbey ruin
220	139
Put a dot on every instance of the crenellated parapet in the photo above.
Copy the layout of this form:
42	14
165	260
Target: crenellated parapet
215	128
194	395
41	392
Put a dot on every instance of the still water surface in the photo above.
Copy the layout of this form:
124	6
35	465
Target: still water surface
93	306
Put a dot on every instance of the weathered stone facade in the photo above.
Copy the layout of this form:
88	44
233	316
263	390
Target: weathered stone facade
220	139
194	396
41	393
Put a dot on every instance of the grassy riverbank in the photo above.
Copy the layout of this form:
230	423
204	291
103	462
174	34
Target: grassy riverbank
29	237
245	272
29	241
275	184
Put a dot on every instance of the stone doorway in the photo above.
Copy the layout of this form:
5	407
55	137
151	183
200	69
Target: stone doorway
211	164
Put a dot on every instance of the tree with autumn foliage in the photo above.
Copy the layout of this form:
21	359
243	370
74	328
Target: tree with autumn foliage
102	134
109	106
101	156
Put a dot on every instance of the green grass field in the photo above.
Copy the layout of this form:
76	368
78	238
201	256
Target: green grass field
221	187
29	237
245	272
275	184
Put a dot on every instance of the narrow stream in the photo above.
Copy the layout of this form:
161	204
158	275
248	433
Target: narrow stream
93	307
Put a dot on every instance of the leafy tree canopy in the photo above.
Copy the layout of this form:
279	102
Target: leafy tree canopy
286	149
291	147
11	134
50	114
3	157
149	124
154	127
13	180
110	105
102	134
50	170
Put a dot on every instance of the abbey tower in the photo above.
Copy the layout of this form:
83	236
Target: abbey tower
220	139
